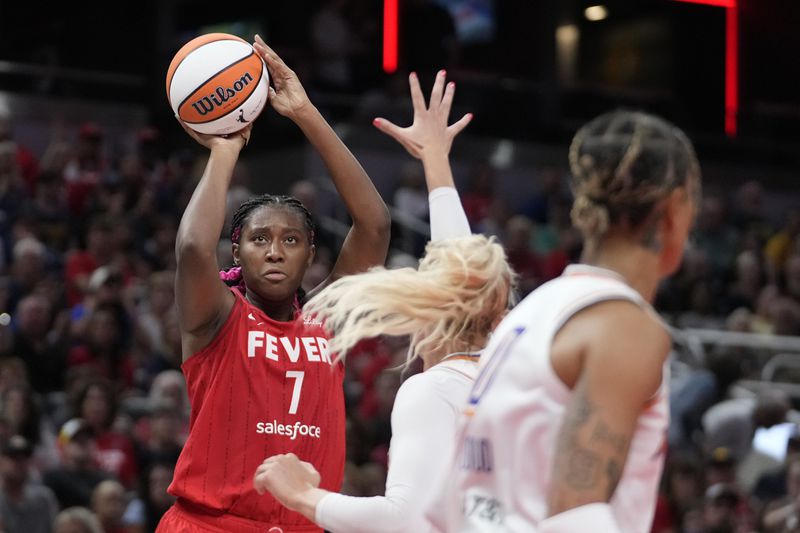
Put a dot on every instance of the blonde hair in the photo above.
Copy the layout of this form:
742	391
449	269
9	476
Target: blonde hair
456	295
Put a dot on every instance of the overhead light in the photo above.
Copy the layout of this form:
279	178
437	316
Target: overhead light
595	13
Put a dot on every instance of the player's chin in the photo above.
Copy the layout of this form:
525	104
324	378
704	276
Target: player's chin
278	291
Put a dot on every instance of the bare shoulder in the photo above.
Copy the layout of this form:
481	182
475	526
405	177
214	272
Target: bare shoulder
617	338
620	326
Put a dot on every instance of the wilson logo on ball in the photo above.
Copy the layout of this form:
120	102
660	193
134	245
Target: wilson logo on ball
221	95
223	92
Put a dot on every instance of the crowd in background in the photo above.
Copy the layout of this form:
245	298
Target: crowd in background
93	408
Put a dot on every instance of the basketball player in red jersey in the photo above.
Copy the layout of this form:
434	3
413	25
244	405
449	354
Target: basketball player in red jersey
261	379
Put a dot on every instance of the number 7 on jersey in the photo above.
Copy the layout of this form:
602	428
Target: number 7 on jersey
297	375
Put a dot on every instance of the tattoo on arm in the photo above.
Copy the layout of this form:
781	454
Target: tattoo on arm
589	458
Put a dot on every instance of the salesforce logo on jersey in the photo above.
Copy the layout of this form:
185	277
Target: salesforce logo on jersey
287	430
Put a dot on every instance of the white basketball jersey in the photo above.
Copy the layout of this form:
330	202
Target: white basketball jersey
501	474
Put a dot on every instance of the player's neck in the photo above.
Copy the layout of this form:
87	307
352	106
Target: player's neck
638	265
280	311
454	348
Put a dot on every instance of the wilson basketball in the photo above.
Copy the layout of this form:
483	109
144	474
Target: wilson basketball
217	83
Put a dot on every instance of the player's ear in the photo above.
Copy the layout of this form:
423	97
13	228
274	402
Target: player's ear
235	253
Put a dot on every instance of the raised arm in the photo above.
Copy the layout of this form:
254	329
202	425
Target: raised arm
368	240
203	301
619	375
429	139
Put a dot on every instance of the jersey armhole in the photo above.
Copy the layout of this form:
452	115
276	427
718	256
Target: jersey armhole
566	315
212	347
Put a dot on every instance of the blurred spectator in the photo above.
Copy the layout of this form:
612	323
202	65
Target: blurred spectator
103	347
539	207
29	259
13	373
518	238
24	506
85	171
25	160
165	437
144	512
11	192
681	488
21	409
48	209
779	245
479	196
749	213
702	312
333	43
784	315
100	249
39	344
152	322
692	395
76	477
773	485
170	386
731	425
720	510
114	451
748	280
411	198
76	520
783	514
108	505
714	234
791	276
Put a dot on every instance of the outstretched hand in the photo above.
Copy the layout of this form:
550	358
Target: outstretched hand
237	140
429	132
287	96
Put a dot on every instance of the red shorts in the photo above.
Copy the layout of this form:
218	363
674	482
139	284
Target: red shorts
181	519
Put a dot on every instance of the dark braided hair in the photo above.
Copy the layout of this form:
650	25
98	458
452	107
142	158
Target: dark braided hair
623	163
233	276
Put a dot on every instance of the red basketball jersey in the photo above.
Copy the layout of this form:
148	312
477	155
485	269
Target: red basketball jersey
262	387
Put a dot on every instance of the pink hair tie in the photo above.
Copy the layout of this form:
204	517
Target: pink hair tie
230	275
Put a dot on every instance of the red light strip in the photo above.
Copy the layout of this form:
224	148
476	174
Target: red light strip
731	60
717	3
390	22
731	71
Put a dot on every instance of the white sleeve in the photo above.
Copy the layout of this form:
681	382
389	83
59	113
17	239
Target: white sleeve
423	439
447	215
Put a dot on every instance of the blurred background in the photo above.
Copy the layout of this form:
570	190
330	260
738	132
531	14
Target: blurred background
94	175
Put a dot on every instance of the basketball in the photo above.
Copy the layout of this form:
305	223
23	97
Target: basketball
217	84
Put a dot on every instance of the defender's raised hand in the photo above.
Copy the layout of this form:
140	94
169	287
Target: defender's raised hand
429	131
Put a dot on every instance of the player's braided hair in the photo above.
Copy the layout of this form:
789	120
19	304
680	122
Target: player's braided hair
623	163
233	276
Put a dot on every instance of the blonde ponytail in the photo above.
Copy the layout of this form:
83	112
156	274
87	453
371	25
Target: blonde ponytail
456	295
